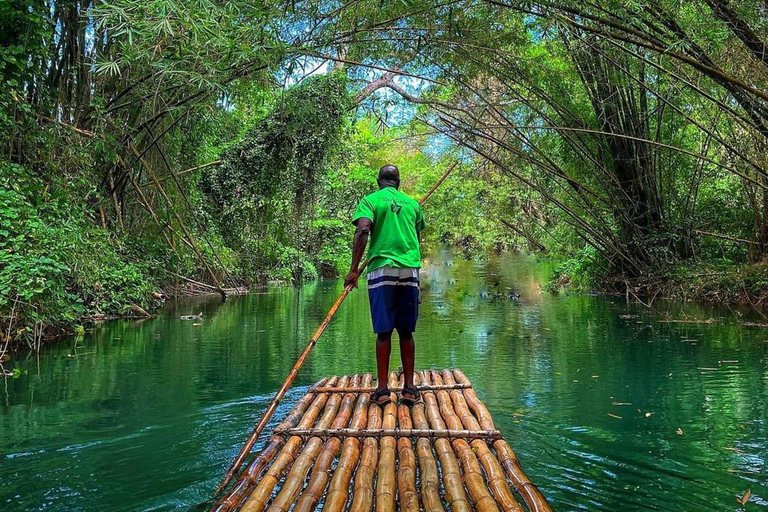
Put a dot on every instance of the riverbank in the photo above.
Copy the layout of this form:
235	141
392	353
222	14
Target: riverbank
738	285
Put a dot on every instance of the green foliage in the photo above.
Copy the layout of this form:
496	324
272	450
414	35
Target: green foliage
577	273
265	191
55	267
593	131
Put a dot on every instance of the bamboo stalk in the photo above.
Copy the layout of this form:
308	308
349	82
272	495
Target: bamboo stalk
386	485
406	473
404	433
473	477
183	226
258	499
370	389
338	490
248	446
363	494
186	171
497	481
249	478
313	492
294	482
533	498
455	494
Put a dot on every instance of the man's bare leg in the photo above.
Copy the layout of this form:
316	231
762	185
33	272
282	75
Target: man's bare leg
408	356
383	351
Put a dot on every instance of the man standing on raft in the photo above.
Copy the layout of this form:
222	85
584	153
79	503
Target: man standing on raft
394	222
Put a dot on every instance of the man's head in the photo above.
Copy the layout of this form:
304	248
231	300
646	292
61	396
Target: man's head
389	176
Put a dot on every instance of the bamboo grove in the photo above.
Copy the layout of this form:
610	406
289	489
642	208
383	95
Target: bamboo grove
627	136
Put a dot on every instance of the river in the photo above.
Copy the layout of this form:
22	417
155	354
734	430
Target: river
608	406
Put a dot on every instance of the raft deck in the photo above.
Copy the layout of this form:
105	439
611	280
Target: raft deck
336	450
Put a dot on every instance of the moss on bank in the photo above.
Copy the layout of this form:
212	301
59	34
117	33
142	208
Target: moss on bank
724	282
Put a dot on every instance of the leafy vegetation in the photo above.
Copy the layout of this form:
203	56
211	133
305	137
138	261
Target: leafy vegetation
228	142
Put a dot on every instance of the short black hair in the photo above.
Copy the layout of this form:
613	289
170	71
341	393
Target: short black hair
389	174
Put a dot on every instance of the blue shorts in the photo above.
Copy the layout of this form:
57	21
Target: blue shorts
394	297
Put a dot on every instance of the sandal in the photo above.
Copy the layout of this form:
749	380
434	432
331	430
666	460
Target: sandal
376	396
411	391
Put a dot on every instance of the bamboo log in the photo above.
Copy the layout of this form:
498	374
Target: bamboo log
363	495
294	482
398	433
338	490
386	485
370	389
406	473
497	480
531	494
430	483
258	499
249	478
473	477
322	468
455	494
393	380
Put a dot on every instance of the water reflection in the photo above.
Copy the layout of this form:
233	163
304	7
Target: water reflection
607	408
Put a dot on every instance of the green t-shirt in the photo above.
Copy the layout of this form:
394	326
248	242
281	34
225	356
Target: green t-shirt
397	220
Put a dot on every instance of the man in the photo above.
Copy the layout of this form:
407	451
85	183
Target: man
394	222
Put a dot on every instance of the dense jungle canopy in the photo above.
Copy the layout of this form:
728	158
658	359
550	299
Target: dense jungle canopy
227	142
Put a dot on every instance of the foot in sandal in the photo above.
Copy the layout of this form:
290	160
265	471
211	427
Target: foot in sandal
410	395
381	396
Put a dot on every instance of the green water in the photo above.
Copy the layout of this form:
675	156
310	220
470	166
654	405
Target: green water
147	415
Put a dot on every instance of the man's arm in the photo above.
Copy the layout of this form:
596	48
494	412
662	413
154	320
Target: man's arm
363	229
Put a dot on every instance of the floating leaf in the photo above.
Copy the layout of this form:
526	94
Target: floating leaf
745	498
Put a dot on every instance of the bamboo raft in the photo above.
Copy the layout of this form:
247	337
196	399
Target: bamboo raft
336	450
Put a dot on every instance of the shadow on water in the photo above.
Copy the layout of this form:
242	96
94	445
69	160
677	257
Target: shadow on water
607	407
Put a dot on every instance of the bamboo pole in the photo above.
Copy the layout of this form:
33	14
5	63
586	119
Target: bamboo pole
497	480
455	494
473	476
258	499
294	482
363	490
313	492
386	485
533	498
338	490
370	389
249	478
407	494
248	446
404	433
245	450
